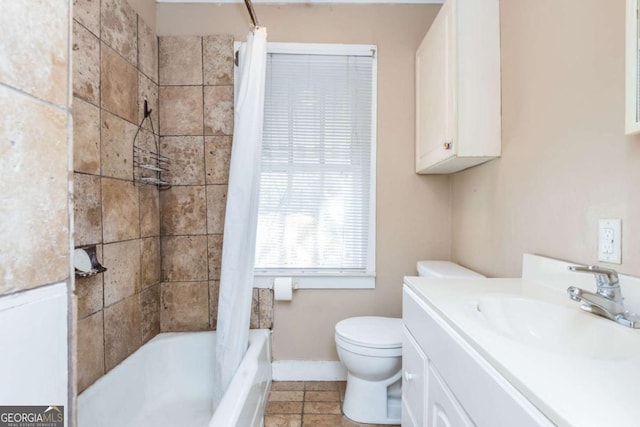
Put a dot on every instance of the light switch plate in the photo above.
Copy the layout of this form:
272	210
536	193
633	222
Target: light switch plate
610	240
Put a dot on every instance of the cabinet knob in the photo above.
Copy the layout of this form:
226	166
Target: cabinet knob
447	145
408	376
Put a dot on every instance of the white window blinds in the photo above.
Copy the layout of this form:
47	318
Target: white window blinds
317	184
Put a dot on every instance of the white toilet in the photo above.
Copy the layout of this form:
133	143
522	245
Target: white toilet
371	349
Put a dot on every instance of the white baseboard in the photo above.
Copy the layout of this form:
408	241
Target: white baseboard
308	370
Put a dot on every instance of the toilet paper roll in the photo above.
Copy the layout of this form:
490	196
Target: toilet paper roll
283	289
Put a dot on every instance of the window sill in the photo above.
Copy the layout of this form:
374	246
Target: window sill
319	282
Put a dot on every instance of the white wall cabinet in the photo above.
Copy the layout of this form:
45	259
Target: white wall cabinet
632	110
446	383
458	88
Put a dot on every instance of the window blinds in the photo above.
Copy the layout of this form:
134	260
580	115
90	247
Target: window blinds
317	183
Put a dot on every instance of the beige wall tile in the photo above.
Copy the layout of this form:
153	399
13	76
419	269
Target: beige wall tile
218	59
90	364
149	211
87	12
87	209
214	293
214	255
150	260
218	110
86	64
34	48
217	158
147	50
119	210
116	151
119	28
184	258
180	60
122	278
34	197
148	90
122	331
254	321
187	158
89	291
185	306
181	110
119	85
183	210
150	303
86	137
266	308
216	206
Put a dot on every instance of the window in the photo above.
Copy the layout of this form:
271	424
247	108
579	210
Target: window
316	217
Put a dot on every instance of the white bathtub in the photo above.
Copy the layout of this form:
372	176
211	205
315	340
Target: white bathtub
168	382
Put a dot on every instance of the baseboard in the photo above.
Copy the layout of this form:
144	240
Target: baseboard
308	370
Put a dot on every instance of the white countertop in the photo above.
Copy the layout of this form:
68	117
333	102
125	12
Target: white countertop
600	389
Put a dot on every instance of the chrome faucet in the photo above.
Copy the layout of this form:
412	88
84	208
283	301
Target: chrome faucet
607	301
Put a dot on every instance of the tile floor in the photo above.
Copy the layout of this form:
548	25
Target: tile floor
307	404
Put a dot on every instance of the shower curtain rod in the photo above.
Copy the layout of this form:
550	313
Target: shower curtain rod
252	13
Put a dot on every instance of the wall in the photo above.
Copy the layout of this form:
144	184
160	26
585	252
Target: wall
566	161
196	124
35	203
412	210
115	69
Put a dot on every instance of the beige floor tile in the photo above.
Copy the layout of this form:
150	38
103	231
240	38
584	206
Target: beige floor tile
286	396
330	408
322	421
275	407
321	385
322	396
287	386
282	421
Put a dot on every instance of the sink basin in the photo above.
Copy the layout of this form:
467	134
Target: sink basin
555	328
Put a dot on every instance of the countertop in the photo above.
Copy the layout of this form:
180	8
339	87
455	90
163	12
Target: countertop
600	387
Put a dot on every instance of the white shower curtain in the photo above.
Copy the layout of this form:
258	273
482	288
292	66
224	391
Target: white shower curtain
238	252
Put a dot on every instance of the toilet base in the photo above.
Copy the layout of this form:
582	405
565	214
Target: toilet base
373	402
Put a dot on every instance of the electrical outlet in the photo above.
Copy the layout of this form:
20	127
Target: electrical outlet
610	240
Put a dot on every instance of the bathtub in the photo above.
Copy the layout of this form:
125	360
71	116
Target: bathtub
168	382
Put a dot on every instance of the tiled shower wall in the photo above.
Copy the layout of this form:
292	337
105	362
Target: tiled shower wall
114	70
196	127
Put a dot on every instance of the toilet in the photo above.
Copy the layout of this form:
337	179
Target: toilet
370	347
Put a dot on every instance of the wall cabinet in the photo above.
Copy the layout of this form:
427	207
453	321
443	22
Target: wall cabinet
458	88
632	109
446	383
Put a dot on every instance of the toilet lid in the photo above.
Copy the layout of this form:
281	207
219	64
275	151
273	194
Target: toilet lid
371	331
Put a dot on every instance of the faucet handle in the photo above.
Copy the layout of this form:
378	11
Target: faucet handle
604	276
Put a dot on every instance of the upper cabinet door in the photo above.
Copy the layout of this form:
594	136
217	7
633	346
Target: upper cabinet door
435	92
632	119
458	113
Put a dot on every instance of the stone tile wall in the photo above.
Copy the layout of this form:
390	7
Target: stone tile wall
196	127
115	68
34	141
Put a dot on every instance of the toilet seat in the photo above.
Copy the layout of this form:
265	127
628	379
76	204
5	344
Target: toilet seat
368	351
371	332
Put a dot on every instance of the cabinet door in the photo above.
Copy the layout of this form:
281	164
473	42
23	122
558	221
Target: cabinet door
632	115
435	78
414	370
443	410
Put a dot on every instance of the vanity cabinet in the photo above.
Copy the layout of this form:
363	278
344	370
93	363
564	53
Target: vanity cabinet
458	88
448	383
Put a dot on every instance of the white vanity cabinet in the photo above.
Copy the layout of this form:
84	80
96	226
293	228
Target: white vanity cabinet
458	88
447	383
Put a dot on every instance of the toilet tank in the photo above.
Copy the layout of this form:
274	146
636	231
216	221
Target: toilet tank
446	270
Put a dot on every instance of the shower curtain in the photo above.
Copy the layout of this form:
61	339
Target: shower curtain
238	252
